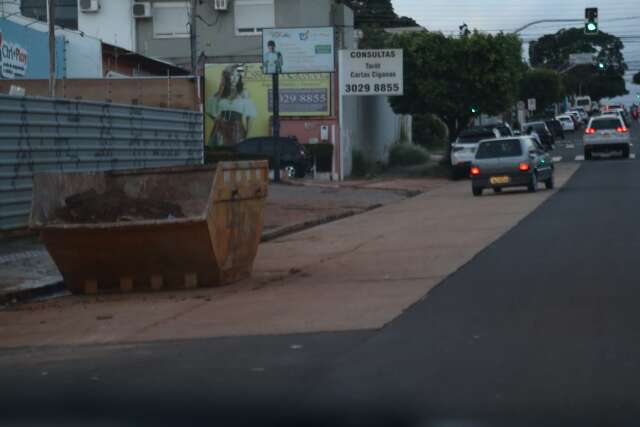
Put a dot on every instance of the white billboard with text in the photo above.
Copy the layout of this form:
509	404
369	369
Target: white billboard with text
371	72
297	50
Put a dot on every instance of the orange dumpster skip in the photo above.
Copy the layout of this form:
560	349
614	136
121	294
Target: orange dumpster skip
209	237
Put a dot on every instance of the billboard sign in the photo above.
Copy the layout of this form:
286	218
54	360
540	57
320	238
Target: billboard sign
239	100
371	72
13	59
298	50
581	58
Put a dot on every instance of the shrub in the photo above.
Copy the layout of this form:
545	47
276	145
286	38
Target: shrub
429	130
407	155
360	166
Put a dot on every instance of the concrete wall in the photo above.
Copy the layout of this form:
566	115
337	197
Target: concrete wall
176	50
113	24
303	13
83	55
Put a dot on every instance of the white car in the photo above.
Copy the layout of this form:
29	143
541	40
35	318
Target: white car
606	133
584	117
566	122
575	115
463	150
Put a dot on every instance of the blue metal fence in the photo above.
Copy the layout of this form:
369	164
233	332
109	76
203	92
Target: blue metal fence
44	134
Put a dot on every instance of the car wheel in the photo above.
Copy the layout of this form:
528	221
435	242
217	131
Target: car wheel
497	190
456	173
550	183
291	171
587	154
477	191
625	152
533	184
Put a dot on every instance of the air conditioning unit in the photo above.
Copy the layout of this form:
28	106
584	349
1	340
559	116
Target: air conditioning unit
221	5
142	10
89	6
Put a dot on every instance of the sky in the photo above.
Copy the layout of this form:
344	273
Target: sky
618	17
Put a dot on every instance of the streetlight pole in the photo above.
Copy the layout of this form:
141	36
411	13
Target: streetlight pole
52	47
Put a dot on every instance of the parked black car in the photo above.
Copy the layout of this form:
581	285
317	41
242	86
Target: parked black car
503	128
543	132
555	127
293	158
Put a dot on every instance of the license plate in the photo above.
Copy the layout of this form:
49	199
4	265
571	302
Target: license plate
499	180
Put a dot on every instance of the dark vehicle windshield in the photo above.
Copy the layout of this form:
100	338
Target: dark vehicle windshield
602	124
500	148
475	135
583	102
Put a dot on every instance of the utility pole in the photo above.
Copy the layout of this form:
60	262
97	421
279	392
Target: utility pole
193	38
276	125
52	47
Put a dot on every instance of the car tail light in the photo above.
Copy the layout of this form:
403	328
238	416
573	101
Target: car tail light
524	167
475	170
622	129
590	130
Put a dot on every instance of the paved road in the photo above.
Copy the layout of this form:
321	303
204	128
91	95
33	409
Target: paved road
571	149
541	328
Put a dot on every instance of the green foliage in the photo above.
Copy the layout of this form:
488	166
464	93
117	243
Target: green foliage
429	131
542	84
636	78
553	50
373	37
379	13
446	76
360	166
405	154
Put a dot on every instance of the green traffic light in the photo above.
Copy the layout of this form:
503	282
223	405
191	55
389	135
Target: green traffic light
592	27
474	110
600	66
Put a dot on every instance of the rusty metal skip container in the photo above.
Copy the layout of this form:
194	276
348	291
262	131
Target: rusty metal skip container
215	243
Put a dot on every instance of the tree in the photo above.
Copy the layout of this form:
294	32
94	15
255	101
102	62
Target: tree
636	78
377	13
553	50
542	84
450	76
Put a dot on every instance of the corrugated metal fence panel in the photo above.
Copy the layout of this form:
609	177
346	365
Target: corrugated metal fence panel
44	134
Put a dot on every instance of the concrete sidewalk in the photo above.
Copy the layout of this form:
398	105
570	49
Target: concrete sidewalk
357	273
27	271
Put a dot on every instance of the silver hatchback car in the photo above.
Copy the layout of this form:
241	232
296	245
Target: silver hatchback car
511	162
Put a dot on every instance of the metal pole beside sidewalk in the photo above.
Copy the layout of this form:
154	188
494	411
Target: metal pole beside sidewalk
52	47
276	126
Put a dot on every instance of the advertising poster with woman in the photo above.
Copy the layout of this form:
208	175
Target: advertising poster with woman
238	100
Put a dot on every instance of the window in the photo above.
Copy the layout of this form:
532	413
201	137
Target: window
171	20
66	11
503	148
251	16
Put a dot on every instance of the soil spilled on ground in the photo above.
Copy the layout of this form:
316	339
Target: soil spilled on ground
114	206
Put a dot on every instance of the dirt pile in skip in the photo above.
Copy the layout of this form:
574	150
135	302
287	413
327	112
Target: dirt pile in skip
114	206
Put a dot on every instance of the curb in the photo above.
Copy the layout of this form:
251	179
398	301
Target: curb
290	229
13	297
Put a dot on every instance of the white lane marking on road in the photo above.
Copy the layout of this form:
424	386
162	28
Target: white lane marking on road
579	158
557	159
570	146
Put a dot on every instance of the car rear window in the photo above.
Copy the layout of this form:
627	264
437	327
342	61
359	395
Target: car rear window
605	124
501	148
